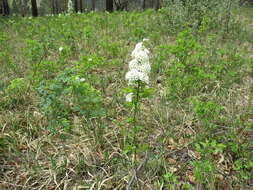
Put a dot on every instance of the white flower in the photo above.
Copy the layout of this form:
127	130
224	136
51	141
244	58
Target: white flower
139	67
90	59
140	48
142	56
60	49
80	79
135	64
129	97
145	68
134	75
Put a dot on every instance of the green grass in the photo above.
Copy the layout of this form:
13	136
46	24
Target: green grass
59	132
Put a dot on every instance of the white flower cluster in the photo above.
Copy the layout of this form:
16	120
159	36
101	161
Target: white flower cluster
77	78
139	67
135	75
129	97
60	49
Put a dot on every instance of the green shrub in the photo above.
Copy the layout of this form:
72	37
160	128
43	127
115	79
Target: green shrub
187	75
14	94
67	94
182	13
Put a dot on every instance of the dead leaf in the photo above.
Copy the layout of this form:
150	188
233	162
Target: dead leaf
172	169
220	177
192	179
221	159
171	141
171	144
52	187
171	161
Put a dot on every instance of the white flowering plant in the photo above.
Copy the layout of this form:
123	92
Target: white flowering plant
138	81
138	74
137	78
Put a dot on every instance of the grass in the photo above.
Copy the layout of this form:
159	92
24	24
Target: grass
58	132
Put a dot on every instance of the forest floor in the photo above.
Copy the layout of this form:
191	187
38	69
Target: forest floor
65	123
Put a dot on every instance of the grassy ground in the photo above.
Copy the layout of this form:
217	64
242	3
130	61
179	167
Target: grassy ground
60	132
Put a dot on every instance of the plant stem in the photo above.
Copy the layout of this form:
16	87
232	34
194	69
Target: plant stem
136	104
135	115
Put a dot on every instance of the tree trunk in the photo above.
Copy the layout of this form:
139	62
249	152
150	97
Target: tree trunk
6	8
157	5
34	8
65	7
93	5
76	6
109	5
81	6
143	4
53	9
56	7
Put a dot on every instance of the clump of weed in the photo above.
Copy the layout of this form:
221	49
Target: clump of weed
66	94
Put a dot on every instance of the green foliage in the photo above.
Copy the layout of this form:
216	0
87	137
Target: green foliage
240	148
66	94
35	51
14	93
207	111
163	54
184	13
204	172
111	47
170	180
88	63
3	144
17	87
187	75
209	148
196	69
227	67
